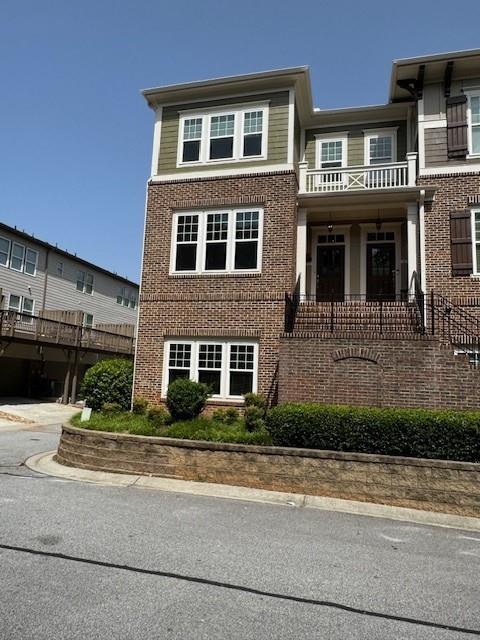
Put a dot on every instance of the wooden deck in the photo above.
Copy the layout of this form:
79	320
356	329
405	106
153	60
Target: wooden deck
21	327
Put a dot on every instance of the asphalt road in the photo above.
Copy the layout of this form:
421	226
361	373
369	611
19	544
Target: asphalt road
80	561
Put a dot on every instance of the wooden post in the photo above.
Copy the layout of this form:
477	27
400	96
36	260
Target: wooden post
66	384
73	397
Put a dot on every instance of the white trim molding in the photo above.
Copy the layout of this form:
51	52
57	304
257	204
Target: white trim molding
291	125
157	134
456	169
368	134
215	172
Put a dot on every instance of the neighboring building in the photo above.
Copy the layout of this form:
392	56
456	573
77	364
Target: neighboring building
58	315
323	255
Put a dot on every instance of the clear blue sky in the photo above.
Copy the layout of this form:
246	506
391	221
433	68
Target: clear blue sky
75	134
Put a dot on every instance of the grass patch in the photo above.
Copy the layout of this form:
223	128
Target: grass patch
196	429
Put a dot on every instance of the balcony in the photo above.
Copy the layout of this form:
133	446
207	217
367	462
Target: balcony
357	179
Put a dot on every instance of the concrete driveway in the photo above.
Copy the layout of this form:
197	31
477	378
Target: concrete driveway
21	411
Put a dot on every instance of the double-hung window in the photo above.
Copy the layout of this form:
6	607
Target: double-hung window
225	241
331	153
473	117
84	282
30	262
229	367
476	240
17	257
238	133
380	147
23	305
4	251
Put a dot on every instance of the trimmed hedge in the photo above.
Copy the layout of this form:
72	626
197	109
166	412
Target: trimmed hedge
108	382
417	433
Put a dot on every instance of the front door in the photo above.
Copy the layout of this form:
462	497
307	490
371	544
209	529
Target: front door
330	272
381	271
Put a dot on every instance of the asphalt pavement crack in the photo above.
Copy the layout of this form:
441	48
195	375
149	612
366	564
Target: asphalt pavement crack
244	589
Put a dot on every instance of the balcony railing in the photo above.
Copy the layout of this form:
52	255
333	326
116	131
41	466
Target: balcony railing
27	328
358	178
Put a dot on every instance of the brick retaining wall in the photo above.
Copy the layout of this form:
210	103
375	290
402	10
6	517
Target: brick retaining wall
434	485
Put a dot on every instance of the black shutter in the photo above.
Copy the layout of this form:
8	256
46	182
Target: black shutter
461	242
457	127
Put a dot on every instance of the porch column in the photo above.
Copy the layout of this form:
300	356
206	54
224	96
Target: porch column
412	242
66	384
302	250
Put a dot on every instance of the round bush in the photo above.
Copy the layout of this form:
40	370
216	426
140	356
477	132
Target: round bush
186	398
109	381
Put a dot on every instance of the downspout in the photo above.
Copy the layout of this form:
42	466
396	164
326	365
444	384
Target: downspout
421	221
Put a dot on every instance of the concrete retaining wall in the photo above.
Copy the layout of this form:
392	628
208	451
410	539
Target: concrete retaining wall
434	485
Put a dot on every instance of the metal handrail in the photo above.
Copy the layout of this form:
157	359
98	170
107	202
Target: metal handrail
453	324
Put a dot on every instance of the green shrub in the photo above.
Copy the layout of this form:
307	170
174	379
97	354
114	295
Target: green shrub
210	430
111	408
419	433
226	416
255	410
139	406
186	398
108	381
157	415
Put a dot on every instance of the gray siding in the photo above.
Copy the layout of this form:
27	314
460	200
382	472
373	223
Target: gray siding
61	290
356	146
277	132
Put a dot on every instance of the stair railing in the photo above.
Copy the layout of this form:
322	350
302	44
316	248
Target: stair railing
453	324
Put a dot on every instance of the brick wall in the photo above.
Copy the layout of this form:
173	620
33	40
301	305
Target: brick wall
218	306
453	194
376	372
434	485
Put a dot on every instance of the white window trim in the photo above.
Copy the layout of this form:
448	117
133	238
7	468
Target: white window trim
21	304
35	263
84	290
323	230
17	244
225	370
368	134
239	112
7	265
202	243
476	267
470	95
342	137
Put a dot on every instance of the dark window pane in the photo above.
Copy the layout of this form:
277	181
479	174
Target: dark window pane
246	255
221	148
252	145
191	151
175	374
212	378
215	256
241	382
186	257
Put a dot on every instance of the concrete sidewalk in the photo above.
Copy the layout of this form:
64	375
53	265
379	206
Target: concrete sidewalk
19	411
44	463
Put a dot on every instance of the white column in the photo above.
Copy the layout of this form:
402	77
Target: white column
302	177
412	243
157	128
412	169
302	250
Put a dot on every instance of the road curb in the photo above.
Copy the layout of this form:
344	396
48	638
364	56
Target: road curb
44	463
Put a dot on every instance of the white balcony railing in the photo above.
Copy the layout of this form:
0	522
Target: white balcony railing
358	178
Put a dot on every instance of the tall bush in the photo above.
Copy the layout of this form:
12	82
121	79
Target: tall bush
108	381
419	433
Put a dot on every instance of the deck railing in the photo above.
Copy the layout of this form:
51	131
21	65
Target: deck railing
29	328
358	178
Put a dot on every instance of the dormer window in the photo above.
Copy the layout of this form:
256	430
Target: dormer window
223	136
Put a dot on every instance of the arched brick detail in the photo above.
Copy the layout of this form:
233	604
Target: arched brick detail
360	353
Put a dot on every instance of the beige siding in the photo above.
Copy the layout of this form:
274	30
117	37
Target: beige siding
356	154
277	132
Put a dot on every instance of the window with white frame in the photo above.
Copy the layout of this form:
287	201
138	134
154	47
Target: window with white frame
217	241
127	298
18	257
331	153
59	268
234	134
84	282
229	367
4	251
380	147
474	124
21	304
88	320
476	240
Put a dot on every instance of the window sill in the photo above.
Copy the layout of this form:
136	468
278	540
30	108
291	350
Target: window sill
213	163
239	274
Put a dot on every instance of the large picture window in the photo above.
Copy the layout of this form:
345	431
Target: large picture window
217	241
229	367
216	136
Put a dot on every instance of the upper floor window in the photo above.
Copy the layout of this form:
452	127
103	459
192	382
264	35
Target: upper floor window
473	117
127	298
18	257
84	282
217	241
235	134
59	269
331	153
380	146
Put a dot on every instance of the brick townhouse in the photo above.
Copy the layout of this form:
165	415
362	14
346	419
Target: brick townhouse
315	255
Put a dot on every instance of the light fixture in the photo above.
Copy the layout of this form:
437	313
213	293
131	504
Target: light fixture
330	224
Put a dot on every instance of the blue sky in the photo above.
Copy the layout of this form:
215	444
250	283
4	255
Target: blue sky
75	134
